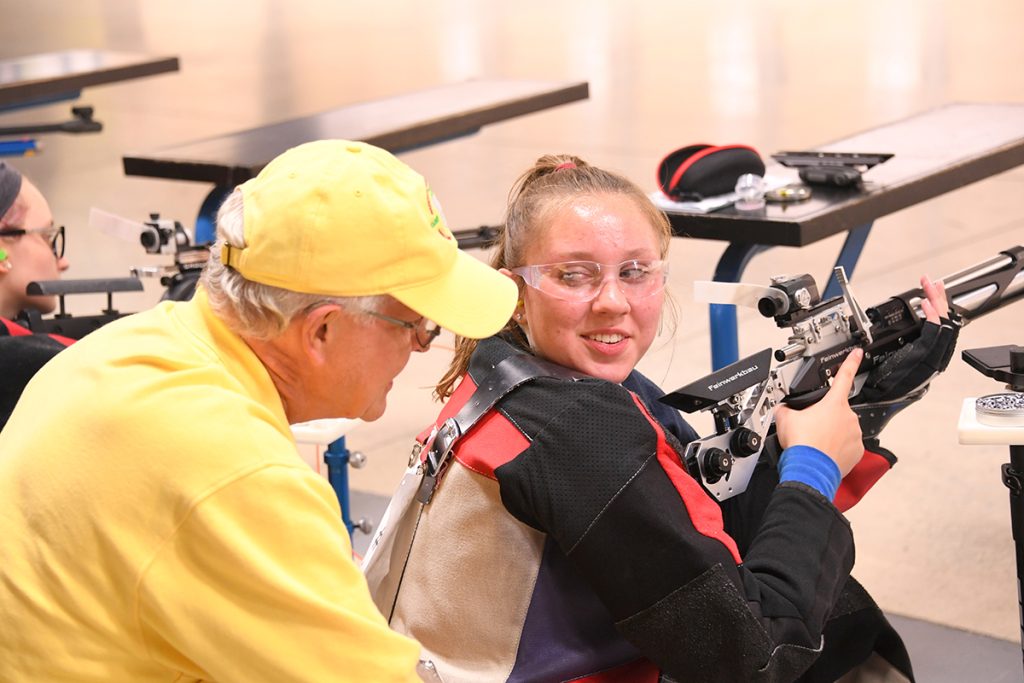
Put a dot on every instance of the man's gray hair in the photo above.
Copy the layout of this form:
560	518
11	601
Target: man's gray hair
251	308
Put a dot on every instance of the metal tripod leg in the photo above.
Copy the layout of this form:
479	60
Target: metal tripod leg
338	458
1013	478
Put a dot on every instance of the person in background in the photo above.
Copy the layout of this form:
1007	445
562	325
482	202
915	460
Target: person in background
157	520
564	540
31	249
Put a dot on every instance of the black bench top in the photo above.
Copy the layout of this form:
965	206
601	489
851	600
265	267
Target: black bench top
56	75
395	123
934	152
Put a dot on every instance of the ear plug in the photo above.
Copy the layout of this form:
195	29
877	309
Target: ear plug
4	262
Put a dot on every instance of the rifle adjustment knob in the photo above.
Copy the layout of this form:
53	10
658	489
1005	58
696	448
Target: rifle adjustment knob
717	464
745	442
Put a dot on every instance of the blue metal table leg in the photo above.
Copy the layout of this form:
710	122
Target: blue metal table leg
724	338
24	147
336	457
848	257
206	221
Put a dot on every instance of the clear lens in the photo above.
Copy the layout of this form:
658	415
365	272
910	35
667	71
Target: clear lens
427	332
583	280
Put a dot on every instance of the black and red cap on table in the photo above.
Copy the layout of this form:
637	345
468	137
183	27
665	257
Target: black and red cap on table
697	171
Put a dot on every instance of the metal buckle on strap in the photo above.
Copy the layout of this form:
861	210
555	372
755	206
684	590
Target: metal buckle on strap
439	451
502	378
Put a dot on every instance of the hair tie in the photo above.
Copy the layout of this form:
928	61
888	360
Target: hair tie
565	165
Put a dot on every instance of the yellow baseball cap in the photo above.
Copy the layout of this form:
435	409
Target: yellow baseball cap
343	218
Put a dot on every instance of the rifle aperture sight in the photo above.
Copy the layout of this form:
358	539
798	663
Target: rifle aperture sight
795	293
162	236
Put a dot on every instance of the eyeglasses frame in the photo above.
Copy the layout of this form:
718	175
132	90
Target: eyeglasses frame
58	236
432	333
534	274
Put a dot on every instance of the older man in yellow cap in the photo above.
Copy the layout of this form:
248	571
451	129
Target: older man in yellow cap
157	523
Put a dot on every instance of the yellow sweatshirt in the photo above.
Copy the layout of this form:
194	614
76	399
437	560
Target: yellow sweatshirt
157	523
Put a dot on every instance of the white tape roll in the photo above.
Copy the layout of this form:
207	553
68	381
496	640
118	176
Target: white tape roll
115	225
736	293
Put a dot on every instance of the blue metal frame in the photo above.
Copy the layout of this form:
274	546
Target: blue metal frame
25	146
848	257
337	457
18	148
206	221
724	334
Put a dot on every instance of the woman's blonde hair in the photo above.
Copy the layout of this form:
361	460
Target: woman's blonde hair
554	181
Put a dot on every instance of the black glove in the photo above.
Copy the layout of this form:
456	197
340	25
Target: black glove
911	367
903	377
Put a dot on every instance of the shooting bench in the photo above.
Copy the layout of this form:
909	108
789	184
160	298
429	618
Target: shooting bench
934	152
399	123
46	78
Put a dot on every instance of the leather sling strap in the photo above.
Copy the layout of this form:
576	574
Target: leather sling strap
511	372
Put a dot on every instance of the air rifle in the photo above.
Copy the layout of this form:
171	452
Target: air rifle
743	396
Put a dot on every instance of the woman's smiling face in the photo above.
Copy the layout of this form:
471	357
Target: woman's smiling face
607	336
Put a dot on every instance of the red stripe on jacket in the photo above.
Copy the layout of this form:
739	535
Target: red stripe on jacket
637	671
15	330
703	512
860	479
495	441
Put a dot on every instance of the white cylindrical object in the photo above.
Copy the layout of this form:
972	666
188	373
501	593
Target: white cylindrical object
322	432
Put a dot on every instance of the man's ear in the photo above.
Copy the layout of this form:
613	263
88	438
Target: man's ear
317	331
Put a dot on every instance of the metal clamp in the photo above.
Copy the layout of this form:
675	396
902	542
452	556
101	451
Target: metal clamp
439	451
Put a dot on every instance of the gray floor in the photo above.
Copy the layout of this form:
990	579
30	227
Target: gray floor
942	654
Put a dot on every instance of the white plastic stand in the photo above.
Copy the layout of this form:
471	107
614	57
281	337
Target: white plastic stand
974	432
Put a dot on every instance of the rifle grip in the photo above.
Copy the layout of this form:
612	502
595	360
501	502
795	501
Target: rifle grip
806	399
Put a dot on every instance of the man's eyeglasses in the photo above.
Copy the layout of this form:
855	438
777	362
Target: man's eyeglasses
425	330
582	281
54	236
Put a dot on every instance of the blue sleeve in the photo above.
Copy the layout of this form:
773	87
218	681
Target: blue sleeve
810	466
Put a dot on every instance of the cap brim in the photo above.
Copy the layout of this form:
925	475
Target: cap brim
472	300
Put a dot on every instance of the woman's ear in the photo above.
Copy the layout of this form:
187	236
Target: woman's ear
519	315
